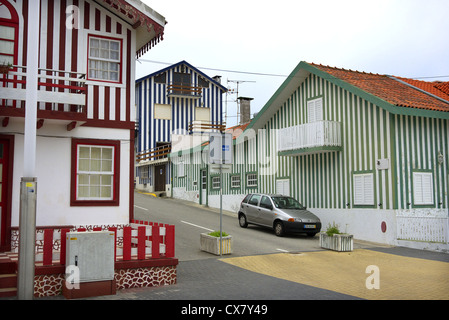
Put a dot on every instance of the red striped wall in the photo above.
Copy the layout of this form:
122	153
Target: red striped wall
62	48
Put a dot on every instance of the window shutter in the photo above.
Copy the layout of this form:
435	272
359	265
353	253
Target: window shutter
311	111
364	189
319	109
422	188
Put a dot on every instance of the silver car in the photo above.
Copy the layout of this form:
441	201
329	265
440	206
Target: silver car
283	214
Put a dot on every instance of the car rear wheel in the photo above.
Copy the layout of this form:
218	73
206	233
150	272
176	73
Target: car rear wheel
279	229
242	221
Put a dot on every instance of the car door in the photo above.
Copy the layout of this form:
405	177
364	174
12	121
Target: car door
252	208
266	211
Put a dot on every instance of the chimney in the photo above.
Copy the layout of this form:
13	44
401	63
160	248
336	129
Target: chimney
245	109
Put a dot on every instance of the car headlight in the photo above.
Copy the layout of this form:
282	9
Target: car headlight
294	220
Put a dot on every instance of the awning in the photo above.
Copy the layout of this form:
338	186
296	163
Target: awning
149	24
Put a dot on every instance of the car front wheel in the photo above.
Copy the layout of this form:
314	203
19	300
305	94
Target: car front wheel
279	228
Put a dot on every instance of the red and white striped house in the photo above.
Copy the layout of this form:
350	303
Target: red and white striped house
85	110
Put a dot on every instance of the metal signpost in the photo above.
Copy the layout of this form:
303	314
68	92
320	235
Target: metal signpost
28	187
220	153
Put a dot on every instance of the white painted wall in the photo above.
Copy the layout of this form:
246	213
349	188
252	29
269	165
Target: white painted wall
53	171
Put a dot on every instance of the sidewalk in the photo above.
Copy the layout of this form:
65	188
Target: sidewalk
404	274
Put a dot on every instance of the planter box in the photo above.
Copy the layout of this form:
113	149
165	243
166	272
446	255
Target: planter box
337	242
212	244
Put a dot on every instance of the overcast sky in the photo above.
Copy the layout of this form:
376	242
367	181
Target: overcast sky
262	41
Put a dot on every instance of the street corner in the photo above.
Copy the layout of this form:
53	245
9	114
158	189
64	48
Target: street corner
361	273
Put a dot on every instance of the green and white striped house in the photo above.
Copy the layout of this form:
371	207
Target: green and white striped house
366	151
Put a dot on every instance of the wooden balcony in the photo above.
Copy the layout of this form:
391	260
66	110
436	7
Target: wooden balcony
197	126
61	95
157	153
184	91
314	137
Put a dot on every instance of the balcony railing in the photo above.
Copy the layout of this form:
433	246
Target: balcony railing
197	126
310	135
157	153
58	90
183	90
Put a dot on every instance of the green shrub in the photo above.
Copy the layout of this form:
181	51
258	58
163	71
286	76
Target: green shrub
217	234
332	229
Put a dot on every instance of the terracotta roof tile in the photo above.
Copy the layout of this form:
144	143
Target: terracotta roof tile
392	90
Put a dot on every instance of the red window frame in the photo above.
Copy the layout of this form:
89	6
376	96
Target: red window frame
120	76
74	173
14	23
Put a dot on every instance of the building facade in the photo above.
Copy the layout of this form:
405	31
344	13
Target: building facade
179	100
85	112
366	151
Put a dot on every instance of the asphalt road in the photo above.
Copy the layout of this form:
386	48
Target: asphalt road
191	220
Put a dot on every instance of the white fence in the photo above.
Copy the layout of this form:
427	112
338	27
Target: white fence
427	229
309	135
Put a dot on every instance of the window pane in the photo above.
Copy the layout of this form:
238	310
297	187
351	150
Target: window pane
95	165
84	152
83	165
83	191
94	191
106	180
106	165
106	153
106	192
96	153
83	179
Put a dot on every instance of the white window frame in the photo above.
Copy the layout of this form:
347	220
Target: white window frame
363	187
92	174
215	180
235	181
251	180
99	72
423	188
181	170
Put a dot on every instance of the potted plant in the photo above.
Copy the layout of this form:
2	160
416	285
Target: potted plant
210	242
333	239
5	67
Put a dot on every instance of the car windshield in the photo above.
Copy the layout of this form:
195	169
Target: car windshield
286	203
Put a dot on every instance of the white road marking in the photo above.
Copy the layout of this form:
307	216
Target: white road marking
282	250
141	208
195	225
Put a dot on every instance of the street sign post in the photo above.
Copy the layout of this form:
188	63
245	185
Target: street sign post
220	153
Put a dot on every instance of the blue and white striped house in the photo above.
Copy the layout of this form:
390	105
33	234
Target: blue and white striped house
369	152
179	99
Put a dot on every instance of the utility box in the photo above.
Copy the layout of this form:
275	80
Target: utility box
93	254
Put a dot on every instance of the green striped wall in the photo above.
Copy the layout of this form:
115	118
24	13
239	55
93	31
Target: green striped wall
325	179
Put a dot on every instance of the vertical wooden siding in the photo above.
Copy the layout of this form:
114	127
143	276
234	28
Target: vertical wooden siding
183	109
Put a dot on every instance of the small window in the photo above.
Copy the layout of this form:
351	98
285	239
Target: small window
251	180
104	59
216	182
9	25
363	189
203	83
161	78
235	181
95	172
422	188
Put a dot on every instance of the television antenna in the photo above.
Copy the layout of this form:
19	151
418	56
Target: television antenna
235	91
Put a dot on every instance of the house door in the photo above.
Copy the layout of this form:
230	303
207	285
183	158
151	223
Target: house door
5	217
159	178
203	187
182	83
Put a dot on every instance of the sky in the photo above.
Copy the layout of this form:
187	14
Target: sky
258	43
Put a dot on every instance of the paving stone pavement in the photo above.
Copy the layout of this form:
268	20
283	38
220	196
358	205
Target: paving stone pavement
402	274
